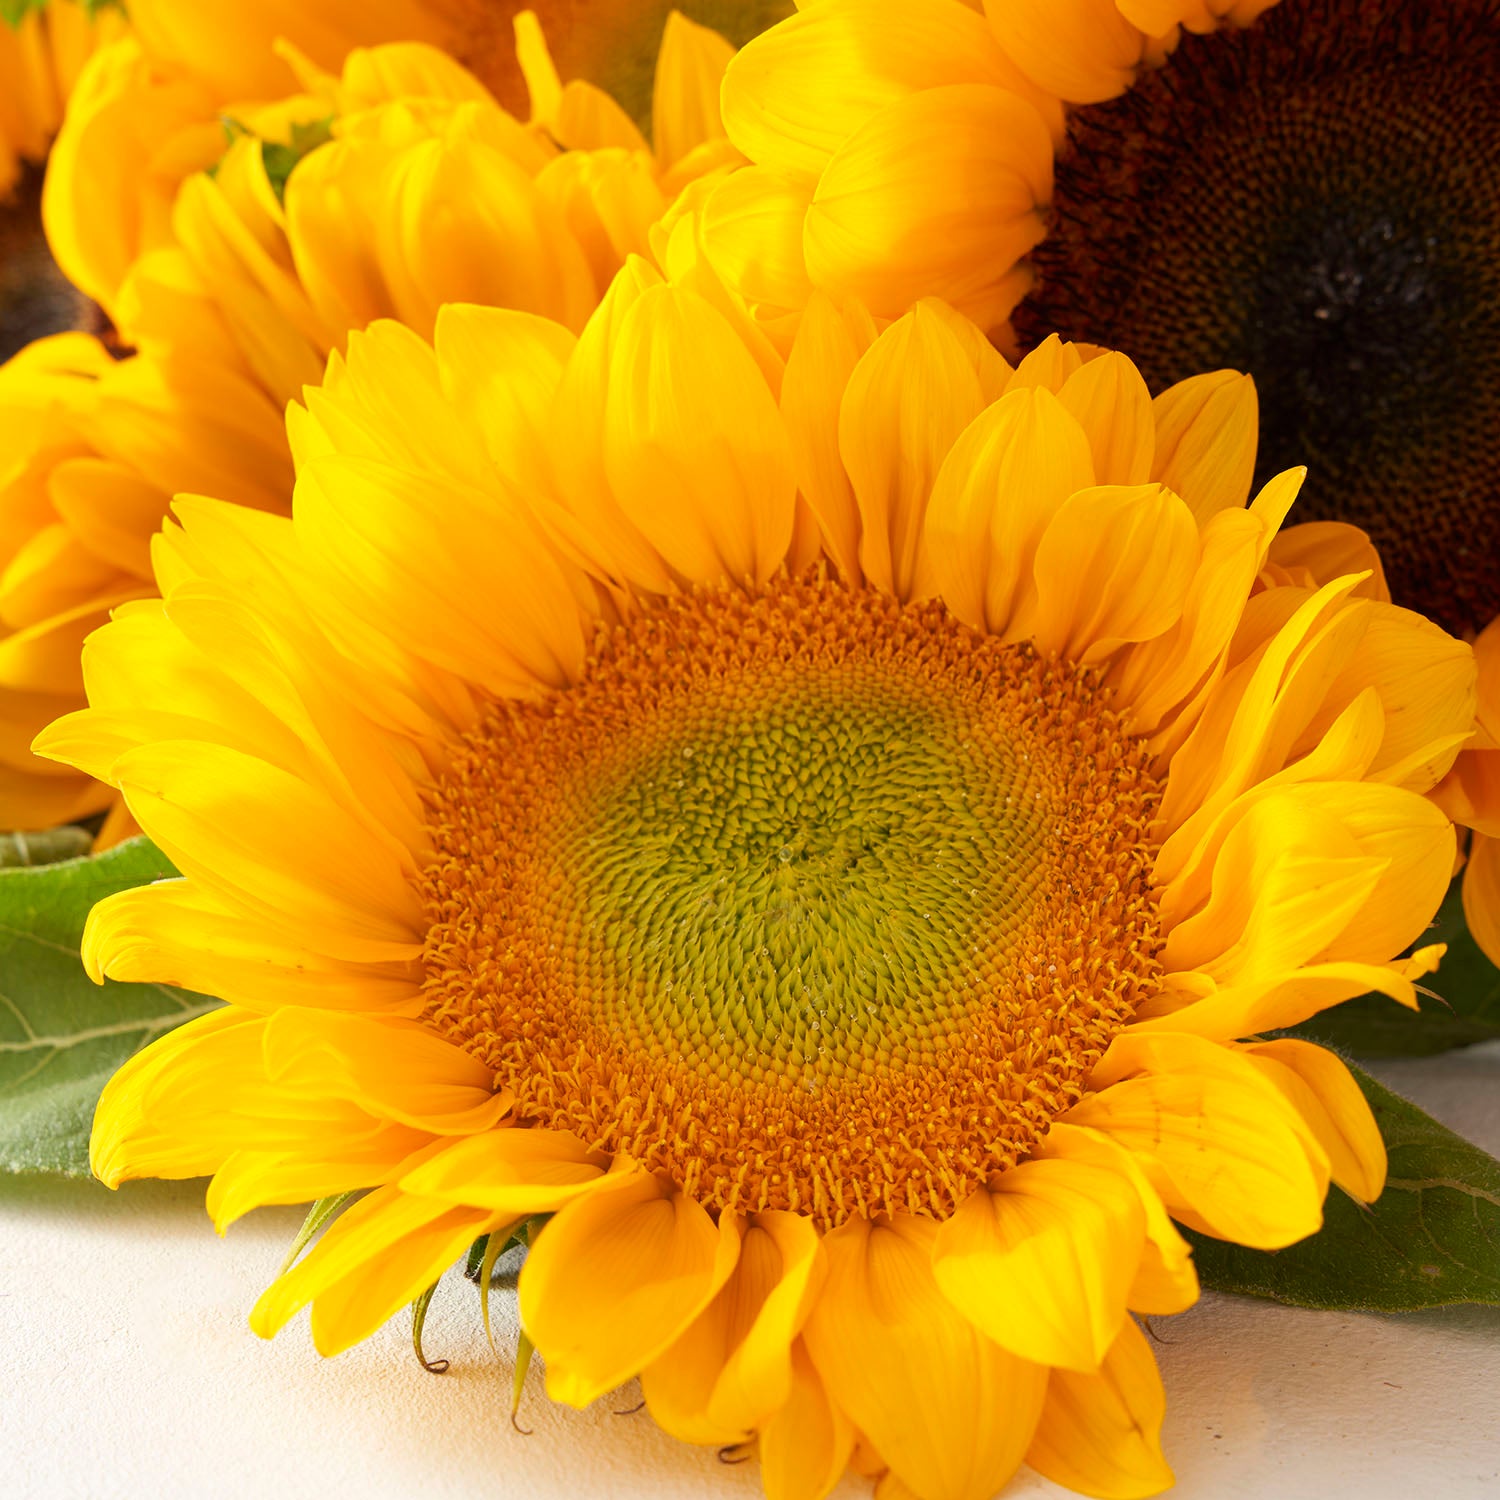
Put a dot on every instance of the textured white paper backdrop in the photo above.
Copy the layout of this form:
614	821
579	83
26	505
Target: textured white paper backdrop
126	1370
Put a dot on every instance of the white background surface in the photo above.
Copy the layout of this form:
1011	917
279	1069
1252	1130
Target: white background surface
127	1370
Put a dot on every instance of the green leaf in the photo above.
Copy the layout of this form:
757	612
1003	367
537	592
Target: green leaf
1466	1008
61	1035
1431	1239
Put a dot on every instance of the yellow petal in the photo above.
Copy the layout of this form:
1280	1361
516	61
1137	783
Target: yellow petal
731	1368
1165	1281
1207	428
227	820
950	1411
1114	566
1341	872
376	1257
830	341
1481	894
694	446
1084	51
940	194
1228	1155
615	1278
1111	403
1042	1262
432	588
1326	550
1324	1092
172	932
685	101
393	1068
805	1446
1100	1434
758	1377
514	1172
1051	365
752	232
911	394
795	93
1162	680
999	488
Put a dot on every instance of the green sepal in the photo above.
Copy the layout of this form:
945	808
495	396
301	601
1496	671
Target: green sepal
1431	1239
1463	1006
61	1035
317	1216
418	1322
524	1350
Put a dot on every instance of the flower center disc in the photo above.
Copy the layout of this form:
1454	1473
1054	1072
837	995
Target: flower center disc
807	898
1315	199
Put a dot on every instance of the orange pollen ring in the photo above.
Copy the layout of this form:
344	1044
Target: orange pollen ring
803	897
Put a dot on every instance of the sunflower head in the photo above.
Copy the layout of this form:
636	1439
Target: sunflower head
830	832
1316	199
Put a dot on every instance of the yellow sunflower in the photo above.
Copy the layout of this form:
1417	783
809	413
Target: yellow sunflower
1307	190
814	841
395	185
385	192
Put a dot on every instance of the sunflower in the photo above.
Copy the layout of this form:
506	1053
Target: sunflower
42	50
302	226
384	192
1307	190
810	844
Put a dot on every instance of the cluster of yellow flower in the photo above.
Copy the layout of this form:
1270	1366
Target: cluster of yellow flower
756	725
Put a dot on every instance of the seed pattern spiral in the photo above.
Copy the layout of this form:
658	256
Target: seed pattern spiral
804	897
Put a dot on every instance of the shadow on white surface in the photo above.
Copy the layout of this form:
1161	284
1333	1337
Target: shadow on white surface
127	1370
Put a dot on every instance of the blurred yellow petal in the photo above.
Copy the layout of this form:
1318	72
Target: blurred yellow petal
1084	51
938	195
793	95
1481	894
685	102
1325	550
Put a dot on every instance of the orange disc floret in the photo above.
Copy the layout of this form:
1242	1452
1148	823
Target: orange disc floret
797	897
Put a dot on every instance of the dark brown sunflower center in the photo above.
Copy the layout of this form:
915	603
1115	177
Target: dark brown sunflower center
36	299
1316	200
808	899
